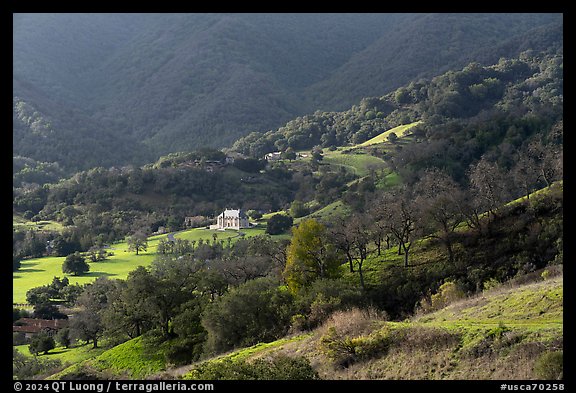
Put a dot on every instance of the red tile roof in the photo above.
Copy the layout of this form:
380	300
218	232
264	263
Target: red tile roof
35	325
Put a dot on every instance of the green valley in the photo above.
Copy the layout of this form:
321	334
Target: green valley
218	197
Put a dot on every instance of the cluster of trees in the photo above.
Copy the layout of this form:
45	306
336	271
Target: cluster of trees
165	301
47	298
434	207
117	202
76	244
102	206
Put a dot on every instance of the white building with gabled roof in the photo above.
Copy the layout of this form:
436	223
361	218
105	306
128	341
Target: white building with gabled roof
231	219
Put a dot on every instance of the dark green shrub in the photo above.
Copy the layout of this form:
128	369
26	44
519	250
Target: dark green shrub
183	351
41	342
278	223
549	366
280	367
257	311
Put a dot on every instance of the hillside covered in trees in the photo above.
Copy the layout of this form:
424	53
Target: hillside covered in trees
114	89
506	116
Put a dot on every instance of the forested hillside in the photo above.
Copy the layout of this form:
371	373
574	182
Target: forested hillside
112	89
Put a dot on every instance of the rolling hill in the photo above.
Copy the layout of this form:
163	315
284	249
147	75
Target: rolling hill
443	278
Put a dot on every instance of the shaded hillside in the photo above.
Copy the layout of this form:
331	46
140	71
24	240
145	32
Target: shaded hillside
497	113
49	132
429	45
159	83
463	114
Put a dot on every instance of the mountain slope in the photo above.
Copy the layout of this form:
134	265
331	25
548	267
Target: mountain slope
429	45
161	83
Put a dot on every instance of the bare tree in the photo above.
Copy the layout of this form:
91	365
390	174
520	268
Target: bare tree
489	186
353	236
342	238
525	173
397	212
548	161
440	200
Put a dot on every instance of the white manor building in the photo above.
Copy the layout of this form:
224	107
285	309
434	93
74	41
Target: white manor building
231	219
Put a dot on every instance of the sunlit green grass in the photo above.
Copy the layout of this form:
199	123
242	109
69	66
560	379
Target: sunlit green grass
535	305
40	271
20	223
400	131
359	163
127	360
71	355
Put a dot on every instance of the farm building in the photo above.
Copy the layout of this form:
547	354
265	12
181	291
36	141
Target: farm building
32	326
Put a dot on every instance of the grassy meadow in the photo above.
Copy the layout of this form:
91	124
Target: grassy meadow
40	271
400	131
71	355
19	222
357	162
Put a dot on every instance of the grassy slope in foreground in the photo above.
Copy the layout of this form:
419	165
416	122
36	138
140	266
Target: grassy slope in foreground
130	360
496	335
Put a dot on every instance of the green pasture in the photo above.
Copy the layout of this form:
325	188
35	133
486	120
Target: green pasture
40	271
400	131
71	355
128	360
20	223
358	162
337	208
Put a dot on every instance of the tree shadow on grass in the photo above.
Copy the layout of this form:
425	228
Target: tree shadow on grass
94	274
97	274
56	351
